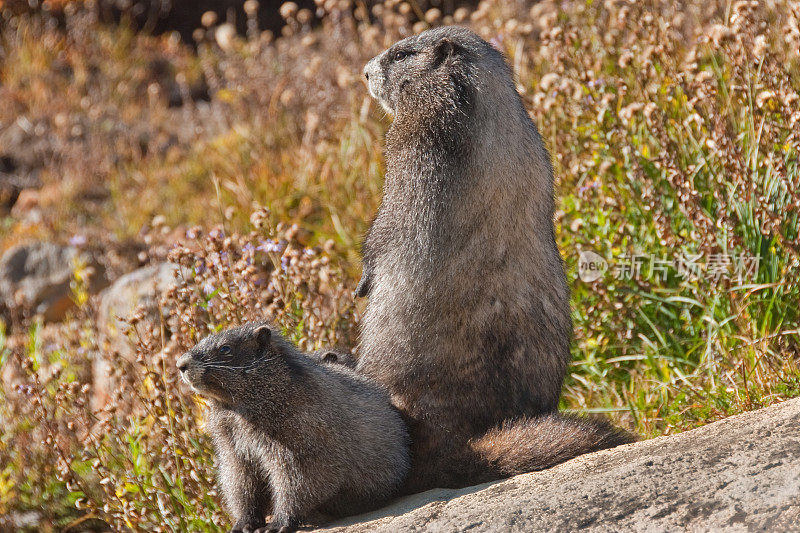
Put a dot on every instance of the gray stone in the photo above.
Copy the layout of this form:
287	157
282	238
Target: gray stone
738	474
36	276
139	289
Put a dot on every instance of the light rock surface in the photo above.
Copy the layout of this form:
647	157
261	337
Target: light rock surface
118	303
36	276
739	474
139	289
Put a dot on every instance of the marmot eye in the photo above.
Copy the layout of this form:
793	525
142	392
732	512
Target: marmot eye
224	349
401	55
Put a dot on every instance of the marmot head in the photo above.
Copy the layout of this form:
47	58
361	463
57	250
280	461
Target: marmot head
438	69
227	367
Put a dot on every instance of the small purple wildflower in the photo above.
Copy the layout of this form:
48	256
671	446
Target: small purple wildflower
77	240
271	245
218	258
27	390
208	288
497	41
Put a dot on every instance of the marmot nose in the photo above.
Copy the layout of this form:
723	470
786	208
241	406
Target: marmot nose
369	67
183	362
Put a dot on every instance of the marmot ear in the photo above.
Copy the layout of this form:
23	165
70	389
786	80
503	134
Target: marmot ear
262	334
445	48
330	357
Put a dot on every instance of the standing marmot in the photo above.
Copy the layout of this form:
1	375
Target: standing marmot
288	429
468	320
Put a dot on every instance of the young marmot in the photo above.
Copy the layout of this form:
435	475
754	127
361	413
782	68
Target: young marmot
288	429
468	320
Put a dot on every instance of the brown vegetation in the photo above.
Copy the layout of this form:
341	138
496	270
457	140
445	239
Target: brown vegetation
674	133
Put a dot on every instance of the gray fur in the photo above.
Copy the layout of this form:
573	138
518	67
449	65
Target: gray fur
307	437
340	357
468	321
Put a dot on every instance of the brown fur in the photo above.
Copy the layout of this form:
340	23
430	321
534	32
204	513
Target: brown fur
531	444
468	321
293	436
